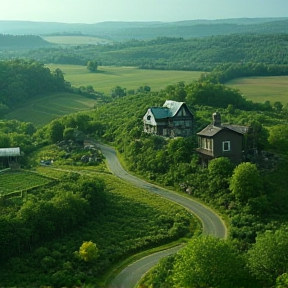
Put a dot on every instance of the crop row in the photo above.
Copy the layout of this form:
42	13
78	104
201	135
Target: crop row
22	180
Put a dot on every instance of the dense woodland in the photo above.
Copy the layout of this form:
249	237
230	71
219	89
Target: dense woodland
202	54
22	80
252	196
11	42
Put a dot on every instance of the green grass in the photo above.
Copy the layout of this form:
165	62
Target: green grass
43	110
21	180
75	40
127	77
261	89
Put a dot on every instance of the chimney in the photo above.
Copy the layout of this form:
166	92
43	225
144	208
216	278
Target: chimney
216	119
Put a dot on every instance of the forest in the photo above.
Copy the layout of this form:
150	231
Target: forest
21	80
251	196
168	53
19	42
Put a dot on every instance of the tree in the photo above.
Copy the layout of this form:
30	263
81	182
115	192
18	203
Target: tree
118	92
220	171
278	106
246	182
92	66
55	131
88	251
208	262
278	137
267	259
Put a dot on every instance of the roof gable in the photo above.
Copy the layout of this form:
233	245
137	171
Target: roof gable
212	130
173	107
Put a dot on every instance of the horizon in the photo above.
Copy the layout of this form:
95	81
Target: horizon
135	21
98	11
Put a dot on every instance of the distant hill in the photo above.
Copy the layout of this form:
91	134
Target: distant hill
119	31
20	42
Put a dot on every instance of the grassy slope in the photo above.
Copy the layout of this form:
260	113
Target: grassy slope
127	77
261	89
43	110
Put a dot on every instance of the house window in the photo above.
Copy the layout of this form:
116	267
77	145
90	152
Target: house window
226	146
206	144
149	117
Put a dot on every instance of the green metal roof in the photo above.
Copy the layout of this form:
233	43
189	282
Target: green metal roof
169	109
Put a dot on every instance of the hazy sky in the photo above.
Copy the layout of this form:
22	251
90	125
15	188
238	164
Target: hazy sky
93	11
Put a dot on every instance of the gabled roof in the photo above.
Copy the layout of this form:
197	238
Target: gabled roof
6	152
173	107
212	130
169	109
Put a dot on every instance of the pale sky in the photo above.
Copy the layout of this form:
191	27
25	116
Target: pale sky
94	11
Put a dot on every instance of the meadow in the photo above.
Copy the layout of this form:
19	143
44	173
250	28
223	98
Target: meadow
106	78
261	89
43	110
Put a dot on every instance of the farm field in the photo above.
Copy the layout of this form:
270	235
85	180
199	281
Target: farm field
261	89
17	181
127	77
44	110
75	40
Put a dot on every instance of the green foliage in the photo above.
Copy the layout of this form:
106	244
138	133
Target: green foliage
278	138
215	95
267	259
55	131
208	262
88	251
92	66
202	54
22	80
282	281
246	182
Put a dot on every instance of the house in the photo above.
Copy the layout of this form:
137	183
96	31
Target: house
9	157
221	140
172	120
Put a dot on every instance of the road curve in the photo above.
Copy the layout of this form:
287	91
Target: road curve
211	222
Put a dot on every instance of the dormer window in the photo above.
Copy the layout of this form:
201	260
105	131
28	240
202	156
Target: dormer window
226	146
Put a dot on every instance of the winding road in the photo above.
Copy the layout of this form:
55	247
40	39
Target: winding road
211	222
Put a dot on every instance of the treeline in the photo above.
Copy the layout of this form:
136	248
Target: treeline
203	54
21	80
226	72
19	42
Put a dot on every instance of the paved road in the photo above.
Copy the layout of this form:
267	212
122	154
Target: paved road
211	222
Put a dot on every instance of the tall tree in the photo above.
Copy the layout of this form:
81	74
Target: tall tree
268	258
208	262
246	182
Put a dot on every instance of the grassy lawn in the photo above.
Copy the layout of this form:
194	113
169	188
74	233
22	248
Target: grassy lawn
43	110
261	89
127	77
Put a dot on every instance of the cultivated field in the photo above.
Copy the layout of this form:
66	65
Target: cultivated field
44	110
127	77
17	181
75	40
261	89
